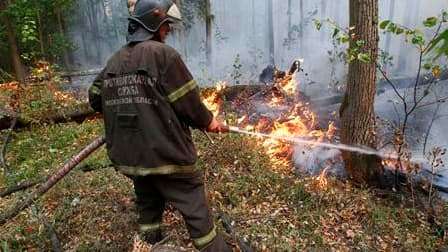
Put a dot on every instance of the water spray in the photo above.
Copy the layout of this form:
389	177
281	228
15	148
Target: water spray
344	147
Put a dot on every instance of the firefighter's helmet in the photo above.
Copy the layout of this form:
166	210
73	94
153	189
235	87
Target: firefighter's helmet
148	16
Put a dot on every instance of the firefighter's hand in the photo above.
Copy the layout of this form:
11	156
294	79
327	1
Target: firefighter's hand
217	127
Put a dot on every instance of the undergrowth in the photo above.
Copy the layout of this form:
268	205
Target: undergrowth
273	207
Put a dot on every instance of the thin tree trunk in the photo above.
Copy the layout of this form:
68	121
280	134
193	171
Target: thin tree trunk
39	28
271	33
357	112
208	32
13	46
65	57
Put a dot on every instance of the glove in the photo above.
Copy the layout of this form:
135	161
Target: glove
217	127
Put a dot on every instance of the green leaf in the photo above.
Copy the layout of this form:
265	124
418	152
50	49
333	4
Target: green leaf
430	22
427	66
444	16
436	71
360	43
343	39
384	24
418	40
443	49
318	24
392	28
350	58
335	32
364	57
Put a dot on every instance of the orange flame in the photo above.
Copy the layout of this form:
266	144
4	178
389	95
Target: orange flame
213	99
297	122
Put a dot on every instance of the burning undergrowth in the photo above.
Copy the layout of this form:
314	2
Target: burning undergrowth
280	110
270	207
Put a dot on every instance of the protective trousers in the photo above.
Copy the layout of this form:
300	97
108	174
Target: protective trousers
186	193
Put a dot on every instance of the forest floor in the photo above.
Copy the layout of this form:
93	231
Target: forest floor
272	206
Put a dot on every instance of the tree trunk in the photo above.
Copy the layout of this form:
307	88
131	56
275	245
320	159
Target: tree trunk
14	51
65	56
39	28
208	32
13	47
357	112
271	33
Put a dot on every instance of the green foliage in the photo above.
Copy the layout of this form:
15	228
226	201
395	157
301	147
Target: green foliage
418	38
438	43
37	26
430	22
299	193
5	76
363	57
441	40
318	24
356	50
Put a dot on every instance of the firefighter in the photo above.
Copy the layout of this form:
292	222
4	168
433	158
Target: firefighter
149	101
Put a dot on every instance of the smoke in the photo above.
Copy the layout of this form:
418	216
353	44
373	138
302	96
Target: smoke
314	159
240	45
426	126
240	37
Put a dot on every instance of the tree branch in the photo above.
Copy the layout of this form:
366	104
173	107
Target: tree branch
390	83
418	76
19	187
58	175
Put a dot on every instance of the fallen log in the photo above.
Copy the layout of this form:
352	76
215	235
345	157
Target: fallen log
79	73
59	174
77	114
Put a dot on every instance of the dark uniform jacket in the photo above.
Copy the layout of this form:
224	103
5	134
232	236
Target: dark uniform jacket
149	100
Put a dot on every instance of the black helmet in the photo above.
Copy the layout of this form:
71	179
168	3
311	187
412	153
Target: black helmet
148	16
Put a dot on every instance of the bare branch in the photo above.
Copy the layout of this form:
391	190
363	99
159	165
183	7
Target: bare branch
390	83
438	101
58	175
19	187
418	76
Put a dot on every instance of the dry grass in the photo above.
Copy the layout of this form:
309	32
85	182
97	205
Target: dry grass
274	208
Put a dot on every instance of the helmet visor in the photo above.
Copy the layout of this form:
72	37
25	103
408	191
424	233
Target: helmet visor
173	14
